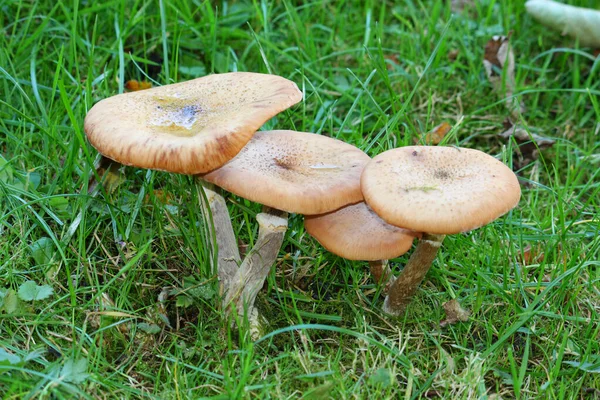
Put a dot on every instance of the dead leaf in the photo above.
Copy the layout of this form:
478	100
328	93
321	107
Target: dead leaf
109	173
532	255
529	144
499	63
591	393
453	54
162	196
133	86
432	394
454	313
392	61
457	6
523	136
437	134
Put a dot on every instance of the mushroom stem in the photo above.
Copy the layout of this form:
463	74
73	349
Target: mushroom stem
221	236
251	275
382	274
407	283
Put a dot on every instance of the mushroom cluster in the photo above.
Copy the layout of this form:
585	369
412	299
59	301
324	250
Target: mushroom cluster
358	208
432	190
437	191
207	127
286	171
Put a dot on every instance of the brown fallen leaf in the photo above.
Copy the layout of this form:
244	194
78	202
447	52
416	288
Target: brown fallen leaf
110	176
453	54
532	255
437	134
161	195
457	6
392	61
133	86
454	313
432	394
591	393
499	63
530	144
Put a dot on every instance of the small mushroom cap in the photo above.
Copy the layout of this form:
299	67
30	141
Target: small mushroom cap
294	171
355	232
189	127
440	190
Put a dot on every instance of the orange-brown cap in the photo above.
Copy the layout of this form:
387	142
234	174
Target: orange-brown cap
355	232
440	190
294	171
189	127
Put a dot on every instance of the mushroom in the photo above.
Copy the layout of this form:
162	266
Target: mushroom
355	232
191	128
286	171
439	191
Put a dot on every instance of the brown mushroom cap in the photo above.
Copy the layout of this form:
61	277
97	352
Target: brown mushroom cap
440	190
355	232
294	171
189	127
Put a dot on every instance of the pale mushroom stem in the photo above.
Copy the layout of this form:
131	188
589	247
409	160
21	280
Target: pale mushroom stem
382	274
255	268
407	283
240	281
222	236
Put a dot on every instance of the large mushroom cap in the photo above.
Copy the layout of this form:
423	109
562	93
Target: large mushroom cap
189	127
439	190
355	232
294	171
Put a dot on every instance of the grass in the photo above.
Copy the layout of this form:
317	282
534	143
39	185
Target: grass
133	313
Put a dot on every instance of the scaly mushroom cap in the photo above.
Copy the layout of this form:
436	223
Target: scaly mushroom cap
294	171
440	190
189	127
355	232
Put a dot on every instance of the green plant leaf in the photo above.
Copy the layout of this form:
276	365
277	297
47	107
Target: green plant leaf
587	366
30	291
75	371
42	250
60	206
193	71
149	328
382	377
183	301
9	302
194	289
6	171
320	392
7	358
